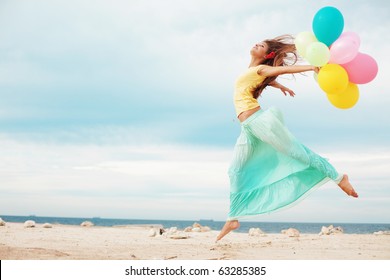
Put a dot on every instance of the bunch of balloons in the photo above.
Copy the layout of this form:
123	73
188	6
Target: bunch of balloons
337	54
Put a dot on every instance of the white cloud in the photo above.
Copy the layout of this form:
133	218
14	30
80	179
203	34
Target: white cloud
171	182
90	89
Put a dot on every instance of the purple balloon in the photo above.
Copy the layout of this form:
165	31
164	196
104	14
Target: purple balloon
362	69
345	48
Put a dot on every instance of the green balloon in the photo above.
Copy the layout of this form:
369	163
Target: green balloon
317	54
303	40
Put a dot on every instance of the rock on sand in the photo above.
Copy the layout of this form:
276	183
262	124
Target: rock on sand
87	224
29	224
331	230
291	232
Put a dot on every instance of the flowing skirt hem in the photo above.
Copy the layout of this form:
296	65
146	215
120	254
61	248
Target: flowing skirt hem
284	207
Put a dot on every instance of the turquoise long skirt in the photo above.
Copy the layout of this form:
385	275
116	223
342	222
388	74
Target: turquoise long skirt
271	169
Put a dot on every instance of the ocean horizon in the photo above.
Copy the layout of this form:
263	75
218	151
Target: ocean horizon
267	227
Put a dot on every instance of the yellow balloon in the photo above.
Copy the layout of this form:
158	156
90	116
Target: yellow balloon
347	99
333	79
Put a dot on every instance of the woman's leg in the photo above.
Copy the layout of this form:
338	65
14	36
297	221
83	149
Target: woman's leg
228	227
273	132
346	186
241	154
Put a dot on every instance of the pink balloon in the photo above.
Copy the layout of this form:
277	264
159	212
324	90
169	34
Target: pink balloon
345	48
351	36
362	69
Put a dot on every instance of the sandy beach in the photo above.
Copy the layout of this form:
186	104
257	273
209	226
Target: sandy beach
64	242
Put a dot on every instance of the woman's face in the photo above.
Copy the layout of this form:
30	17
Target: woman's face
260	50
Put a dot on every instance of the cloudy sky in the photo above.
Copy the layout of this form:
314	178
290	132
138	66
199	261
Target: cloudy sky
123	109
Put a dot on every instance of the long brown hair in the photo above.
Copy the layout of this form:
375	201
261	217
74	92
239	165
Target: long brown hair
285	54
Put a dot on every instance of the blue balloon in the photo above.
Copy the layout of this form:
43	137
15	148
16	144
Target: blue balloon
328	24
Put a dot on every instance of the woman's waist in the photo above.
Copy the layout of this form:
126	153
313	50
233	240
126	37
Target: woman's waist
268	115
243	116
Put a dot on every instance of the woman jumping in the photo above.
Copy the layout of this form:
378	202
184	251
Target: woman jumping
271	169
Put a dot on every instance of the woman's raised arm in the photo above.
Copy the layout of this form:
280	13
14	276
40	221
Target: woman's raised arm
270	71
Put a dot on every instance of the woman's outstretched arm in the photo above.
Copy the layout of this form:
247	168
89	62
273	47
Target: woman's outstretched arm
270	71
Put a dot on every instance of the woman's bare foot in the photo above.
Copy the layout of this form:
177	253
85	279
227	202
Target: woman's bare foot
228	227
346	186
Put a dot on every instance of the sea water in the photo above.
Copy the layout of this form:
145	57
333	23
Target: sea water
267	227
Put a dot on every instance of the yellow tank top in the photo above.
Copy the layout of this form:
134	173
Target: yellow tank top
243	98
